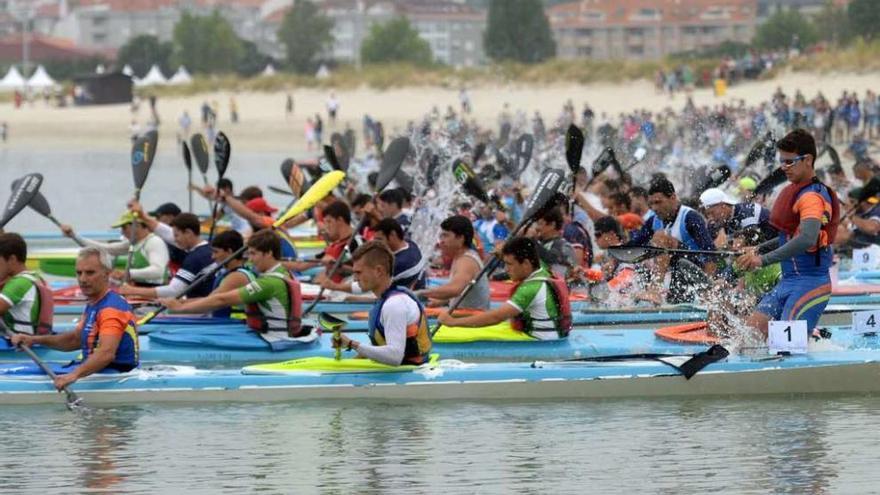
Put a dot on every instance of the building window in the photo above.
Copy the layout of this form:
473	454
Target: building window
637	50
585	51
469	45
99	38
583	32
99	21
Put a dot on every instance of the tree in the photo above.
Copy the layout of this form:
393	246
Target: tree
206	43
518	30
305	34
252	61
141	52
395	41
832	24
864	18
786	29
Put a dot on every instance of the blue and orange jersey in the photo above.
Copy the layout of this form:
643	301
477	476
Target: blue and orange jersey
110	316
812	202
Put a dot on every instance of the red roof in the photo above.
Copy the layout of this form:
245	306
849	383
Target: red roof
587	13
125	5
45	48
277	16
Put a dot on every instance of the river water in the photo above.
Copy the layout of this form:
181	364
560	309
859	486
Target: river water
775	445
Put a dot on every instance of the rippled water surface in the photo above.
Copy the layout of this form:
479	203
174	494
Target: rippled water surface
780	445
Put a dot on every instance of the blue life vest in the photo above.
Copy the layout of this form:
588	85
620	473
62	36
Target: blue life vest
112	305
226	312
678	229
418	338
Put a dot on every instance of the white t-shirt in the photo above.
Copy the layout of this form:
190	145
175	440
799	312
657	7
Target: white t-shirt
398	312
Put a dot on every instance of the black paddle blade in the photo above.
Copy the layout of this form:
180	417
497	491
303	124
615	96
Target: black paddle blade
433	167
603	161
22	194
350	141
545	192
278	190
871	189
222	152
405	181
835	158
38	203
199	147
187	156
479	151
715	178
755	153
632	254
471	185
767	185
524	147
286	168
330	156
574	147
503	135
504	164
142	153
341	151
391	162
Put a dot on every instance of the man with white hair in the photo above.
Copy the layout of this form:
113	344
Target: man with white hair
106	333
747	221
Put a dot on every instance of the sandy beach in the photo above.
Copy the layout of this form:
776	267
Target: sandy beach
263	126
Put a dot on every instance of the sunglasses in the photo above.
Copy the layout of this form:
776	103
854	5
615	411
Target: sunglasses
789	162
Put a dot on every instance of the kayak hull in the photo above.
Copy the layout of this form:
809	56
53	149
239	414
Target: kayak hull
820	373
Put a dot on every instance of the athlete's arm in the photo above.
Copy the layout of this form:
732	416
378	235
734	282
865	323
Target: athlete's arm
112	248
67	341
870	226
491	317
204	304
808	233
396	313
156	253
464	270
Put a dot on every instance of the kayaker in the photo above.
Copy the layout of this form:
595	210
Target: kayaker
539	305
26	302
552	247
338	232
398	326
274	301
106	333
390	203
457	244
749	221
806	214
618	275
862	229
185	233
258	212
149	265
235	273
409	264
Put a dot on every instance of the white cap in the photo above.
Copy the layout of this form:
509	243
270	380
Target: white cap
714	196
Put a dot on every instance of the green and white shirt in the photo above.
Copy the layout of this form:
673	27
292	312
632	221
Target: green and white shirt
23	297
269	293
534	300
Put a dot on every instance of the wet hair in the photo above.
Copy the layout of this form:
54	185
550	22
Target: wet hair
661	185
338	210
103	256
361	200
375	253
12	244
612	185
229	240
554	216
461	227
266	241
395	196
224	183
638	191
799	142
522	249
249	193
388	225
187	221
622	198
609	224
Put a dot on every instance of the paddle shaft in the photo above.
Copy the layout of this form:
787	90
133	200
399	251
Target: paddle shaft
189	179
58	224
131	239
72	398
338	263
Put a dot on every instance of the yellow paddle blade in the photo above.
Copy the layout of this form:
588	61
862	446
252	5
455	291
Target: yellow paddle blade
147	318
316	193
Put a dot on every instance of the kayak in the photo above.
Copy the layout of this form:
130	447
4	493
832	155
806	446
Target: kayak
639	376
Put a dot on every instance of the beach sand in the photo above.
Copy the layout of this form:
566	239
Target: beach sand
263	126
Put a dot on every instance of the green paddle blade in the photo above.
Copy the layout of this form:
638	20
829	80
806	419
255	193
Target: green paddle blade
199	147
470	183
22	194
330	323
222	152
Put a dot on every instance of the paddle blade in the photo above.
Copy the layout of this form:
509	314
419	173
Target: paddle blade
187	156
142	153
632	254
479	151
341	151
503	135
199	147
767	185
603	161
330	323
574	147
222	152
471	185
316	193
38	203
286	167
391	162
23	193
755	153
433	167
350	141
524	147
835	158
544	195
330	156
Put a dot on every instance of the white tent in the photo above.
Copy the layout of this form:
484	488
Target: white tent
323	72
12	80
154	76
41	79
269	71
100	69
127	70
181	76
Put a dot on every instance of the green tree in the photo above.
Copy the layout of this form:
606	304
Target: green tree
206	43
864	18
832	24
252	61
786	29
305	34
141	52
518	30
395	41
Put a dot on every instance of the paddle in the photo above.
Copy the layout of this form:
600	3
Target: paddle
317	192
39	204
350	141
391	162
341	151
574	148
767	185
503	135
605	159
523	153
636	254
142	153
278	190
471	184
758	150
543	197
479	151
22	194
72	401
332	324
222	151
293	176
714	178
187	161
199	147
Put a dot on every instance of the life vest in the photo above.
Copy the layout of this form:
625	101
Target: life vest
588	247
127	353
678	229
227	312
47	305
418	338
257	321
559	292
785	220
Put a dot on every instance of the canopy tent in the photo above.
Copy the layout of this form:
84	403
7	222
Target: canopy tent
154	76
181	76
100	69
268	71
12	80
127	70
41	79
323	72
